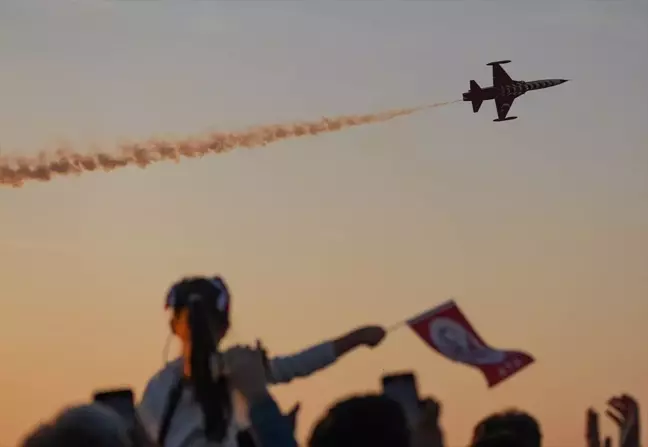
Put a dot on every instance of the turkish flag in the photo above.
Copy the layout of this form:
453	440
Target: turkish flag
448	331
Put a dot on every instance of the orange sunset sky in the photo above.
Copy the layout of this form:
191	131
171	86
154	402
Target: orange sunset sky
538	227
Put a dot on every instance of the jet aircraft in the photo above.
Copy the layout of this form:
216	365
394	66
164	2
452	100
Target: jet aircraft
504	90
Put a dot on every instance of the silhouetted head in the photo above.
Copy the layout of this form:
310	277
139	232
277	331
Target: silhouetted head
512	427
499	440
370	420
41	436
91	425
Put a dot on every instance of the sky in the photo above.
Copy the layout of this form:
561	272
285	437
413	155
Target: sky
538	227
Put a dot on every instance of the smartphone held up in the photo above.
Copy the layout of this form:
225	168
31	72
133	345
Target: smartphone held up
403	388
121	401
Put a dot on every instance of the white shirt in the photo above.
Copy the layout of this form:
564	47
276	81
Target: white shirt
186	428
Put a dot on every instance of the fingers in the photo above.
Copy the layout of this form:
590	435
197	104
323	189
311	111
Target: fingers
619	420
619	404
632	407
592	422
592	431
629	401
624	409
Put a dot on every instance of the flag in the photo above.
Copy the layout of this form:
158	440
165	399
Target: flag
448	331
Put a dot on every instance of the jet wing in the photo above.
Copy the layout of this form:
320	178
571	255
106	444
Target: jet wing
503	105
500	76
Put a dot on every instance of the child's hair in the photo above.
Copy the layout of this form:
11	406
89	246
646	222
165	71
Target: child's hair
202	297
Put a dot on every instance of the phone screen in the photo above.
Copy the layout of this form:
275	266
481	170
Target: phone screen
403	389
122	402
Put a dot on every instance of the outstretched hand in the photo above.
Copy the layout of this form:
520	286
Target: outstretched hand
369	335
593	431
624	411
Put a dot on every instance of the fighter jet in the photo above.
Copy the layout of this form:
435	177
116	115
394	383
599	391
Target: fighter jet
504	90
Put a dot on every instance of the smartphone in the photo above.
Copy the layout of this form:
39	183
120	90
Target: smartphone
121	401
403	389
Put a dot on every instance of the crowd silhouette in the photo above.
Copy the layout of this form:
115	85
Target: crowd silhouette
192	400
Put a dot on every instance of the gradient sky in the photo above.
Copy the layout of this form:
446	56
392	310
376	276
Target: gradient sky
538	227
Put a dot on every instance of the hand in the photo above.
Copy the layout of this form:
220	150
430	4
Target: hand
624	411
364	336
428	433
370	336
246	371
593	433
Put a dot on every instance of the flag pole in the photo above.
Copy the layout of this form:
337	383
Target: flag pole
395	326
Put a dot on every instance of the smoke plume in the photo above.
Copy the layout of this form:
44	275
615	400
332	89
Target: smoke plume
15	170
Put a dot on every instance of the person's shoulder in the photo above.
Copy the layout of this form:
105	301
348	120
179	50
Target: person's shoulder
151	406
160	384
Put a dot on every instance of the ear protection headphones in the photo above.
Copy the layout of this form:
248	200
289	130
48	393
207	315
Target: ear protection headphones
178	298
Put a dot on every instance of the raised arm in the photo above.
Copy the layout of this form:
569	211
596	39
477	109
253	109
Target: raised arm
304	363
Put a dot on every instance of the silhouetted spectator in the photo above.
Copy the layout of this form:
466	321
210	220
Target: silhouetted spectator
39	437
519	425
368	420
624	411
91	425
499	440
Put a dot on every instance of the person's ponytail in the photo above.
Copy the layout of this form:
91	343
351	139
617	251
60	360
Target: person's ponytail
213	395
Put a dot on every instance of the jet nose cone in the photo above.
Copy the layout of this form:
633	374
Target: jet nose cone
562	81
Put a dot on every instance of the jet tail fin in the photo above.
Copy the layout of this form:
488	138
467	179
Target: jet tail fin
476	103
